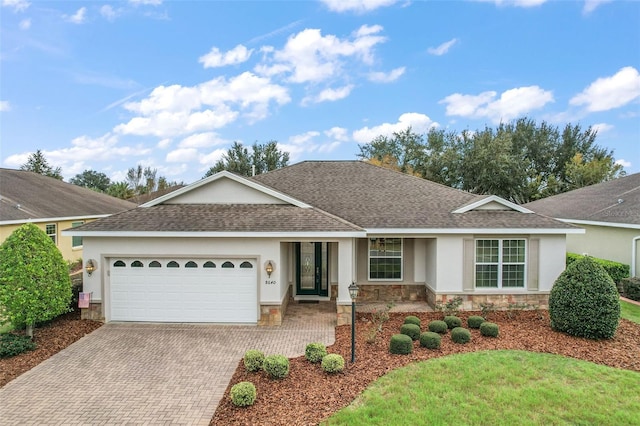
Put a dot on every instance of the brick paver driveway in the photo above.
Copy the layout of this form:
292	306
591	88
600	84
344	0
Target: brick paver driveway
133	373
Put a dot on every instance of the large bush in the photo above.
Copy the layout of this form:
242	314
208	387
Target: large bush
616	270
411	330
14	344
34	278
584	301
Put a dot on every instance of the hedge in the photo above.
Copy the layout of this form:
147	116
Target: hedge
616	270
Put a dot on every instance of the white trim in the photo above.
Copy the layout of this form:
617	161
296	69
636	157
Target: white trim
52	219
634	243
408	232
369	279
236	178
255	234
595	223
501	263
492	199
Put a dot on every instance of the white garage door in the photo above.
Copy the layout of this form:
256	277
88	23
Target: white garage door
184	290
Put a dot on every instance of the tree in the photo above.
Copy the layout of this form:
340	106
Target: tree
264	158
403	151
120	190
91	179
34	278
37	163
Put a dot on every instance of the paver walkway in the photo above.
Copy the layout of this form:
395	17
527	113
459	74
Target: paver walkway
155	374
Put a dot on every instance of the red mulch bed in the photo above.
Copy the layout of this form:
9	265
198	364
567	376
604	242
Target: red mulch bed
308	395
50	339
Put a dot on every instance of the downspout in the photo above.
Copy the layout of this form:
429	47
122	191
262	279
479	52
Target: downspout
634	243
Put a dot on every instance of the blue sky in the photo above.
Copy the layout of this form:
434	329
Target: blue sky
169	84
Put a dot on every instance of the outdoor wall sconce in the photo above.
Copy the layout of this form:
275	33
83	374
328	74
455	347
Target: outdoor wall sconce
90	266
269	268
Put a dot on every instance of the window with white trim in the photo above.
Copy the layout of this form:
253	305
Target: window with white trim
52	232
385	259
76	242
500	263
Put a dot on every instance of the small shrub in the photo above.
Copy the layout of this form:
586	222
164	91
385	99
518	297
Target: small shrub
372	335
430	340
379	317
243	394
411	319
14	344
487	308
411	330
276	366
631	288
489	329
314	352
514	309
438	326
452	321
450	307
332	363
253	360
474	321
400	344
460	335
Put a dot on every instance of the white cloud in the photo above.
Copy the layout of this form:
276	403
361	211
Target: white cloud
108	12
338	133
381	77
329	95
146	2
167	124
164	143
359	6
79	17
25	24
512	103
211	158
16	5
516	3
624	163
602	127
591	5
304	138
202	140
215	58
443	48
610	92
182	155
419	123
5	106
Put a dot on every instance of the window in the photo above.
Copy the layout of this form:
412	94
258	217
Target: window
191	264
385	258
119	264
76	242
137	264
228	265
155	264
173	264
246	265
500	263
51	230
209	264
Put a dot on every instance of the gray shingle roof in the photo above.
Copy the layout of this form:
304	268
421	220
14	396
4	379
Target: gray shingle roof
42	197
616	201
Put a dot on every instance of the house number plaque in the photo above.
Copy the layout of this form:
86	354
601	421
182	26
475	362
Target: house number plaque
270	282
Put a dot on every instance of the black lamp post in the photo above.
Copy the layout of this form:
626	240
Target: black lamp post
353	292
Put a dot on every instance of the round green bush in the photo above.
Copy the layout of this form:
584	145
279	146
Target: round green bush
400	344
489	329
276	366
452	321
253	360
314	352
430	340
411	330
243	394
412	319
584	301
333	363
15	344
460	335
438	326
474	321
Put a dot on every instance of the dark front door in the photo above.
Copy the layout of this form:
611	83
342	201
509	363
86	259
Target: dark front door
312	272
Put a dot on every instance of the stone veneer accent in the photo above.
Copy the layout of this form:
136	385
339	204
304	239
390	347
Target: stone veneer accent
387	292
471	301
273	314
93	312
344	314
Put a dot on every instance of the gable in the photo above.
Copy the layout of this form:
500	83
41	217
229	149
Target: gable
224	191
492	203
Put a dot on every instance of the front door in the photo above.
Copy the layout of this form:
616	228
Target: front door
312	272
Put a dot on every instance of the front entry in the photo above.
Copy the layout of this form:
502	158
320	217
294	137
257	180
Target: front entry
312	272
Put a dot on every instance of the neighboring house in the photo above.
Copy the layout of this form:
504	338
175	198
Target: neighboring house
610	214
234	249
53	206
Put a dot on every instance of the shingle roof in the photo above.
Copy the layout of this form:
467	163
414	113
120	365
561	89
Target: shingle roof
221	218
616	201
42	197
374	197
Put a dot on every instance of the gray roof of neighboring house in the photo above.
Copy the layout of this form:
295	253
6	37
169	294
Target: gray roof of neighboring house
29	196
616	201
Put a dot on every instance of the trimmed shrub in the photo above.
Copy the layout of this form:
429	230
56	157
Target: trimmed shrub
430	340
489	329
460	335
243	394
631	288
400	344
411	330
584	301
276	366
452	321
332	363
474	321
253	360
616	270
15	344
411	319
438	326
314	352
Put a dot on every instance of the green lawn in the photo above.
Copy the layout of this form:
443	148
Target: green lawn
498	388
630	311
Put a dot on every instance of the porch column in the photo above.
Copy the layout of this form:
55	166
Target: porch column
346	275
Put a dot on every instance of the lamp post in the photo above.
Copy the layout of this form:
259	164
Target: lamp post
353	292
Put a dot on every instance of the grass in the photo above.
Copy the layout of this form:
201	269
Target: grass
630	311
498	388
